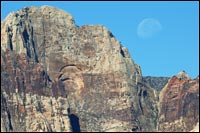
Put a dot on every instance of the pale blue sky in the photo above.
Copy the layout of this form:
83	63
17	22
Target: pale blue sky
173	49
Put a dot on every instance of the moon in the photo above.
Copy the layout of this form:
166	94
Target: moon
148	27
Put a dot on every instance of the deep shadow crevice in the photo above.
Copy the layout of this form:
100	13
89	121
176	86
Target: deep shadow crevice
74	121
122	52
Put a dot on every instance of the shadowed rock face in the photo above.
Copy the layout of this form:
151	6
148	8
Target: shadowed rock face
157	83
179	104
50	66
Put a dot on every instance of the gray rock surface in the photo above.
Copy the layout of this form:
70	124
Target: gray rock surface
157	83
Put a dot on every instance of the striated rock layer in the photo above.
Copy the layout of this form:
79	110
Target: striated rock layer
179	104
56	76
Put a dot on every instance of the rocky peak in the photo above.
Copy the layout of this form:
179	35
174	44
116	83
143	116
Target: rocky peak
183	75
178	101
57	76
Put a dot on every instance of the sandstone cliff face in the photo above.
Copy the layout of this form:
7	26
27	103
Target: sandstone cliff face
56	76
179	104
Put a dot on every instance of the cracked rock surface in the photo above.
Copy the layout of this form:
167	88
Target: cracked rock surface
56	76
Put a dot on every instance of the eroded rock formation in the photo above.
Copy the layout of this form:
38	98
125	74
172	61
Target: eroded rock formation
179	104
56	76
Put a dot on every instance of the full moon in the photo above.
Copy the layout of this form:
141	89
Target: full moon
148	27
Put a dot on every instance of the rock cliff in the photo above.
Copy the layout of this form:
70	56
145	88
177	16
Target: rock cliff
56	76
179	104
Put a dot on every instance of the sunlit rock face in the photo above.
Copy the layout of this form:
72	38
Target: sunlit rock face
56	76
179	104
